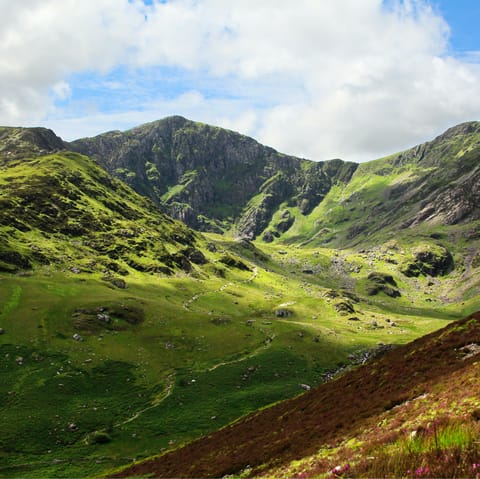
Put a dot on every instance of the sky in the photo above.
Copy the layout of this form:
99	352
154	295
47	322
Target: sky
320	79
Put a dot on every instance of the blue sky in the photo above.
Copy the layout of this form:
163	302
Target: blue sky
355	79
463	17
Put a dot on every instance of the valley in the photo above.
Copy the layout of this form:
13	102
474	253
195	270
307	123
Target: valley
126	334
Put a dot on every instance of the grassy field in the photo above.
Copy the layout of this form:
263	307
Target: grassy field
124	333
179	357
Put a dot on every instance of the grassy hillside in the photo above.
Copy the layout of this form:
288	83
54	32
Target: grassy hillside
124	333
432	189
411	413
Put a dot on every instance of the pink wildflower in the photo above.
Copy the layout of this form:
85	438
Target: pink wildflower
339	471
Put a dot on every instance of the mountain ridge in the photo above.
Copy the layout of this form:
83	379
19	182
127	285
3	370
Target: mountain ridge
218	180
209	177
144	334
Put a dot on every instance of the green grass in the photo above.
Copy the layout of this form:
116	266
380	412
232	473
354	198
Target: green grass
209	346
237	366
441	451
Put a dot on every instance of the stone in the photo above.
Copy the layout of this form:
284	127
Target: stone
267	237
118	283
283	313
211	247
104	317
344	307
77	337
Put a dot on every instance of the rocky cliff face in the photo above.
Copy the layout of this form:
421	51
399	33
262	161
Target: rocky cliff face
211	178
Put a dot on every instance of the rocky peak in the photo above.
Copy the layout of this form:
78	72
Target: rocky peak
16	142
210	177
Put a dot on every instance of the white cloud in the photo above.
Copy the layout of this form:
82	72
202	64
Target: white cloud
321	79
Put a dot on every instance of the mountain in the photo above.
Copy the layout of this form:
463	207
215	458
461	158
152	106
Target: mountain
217	180
389	417
211	178
63	208
430	187
142	334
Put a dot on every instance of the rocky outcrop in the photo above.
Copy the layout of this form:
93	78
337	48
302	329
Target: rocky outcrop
432	260
382	283
27	142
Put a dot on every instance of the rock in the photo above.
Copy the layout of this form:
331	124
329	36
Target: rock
196	256
283	313
19	360
75	270
381	278
232	262
267	237
307	271
250	322
118	283
77	337
381	282
344	307
2	331
354	318
211	247
305	386
104	317
72	427
286	222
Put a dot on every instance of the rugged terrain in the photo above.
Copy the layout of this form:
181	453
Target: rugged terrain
143	334
211	178
217	180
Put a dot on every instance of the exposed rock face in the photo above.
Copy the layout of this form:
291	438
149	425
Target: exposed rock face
24	142
432	260
210	177
381	282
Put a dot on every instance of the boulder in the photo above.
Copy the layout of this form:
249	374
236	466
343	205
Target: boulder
344	308
283	313
267	237
382	283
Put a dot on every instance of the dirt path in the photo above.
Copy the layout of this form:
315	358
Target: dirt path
254	353
222	288
170	380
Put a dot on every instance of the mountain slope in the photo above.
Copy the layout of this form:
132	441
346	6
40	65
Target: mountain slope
63	208
215	179
336	411
211	178
24	142
143	334
427	188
